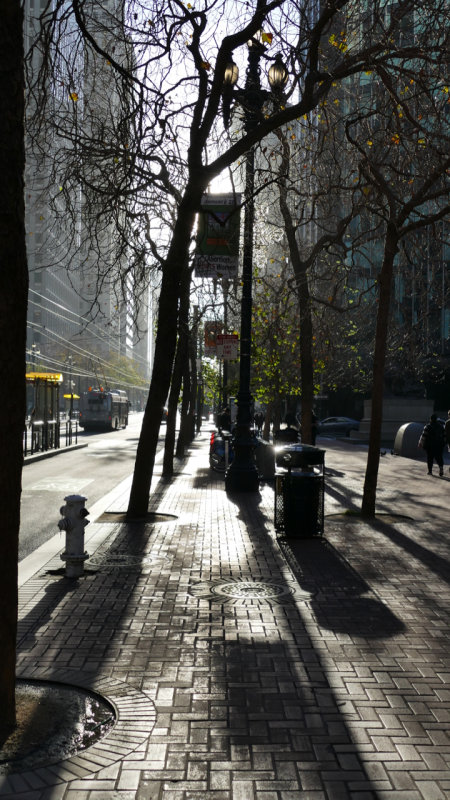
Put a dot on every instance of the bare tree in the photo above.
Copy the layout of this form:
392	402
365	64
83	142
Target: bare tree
158	143
403	145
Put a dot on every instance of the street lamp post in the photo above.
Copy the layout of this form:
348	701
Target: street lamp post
225	330
242	475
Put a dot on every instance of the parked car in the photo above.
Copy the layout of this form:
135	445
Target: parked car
337	426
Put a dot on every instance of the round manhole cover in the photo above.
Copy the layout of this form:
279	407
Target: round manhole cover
250	589
121	560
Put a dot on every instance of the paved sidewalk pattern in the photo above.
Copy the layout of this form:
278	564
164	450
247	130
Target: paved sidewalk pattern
243	666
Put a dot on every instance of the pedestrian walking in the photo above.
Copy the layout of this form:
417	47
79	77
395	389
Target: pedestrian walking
225	419
314	422
433	441
447	433
288	434
290	419
259	421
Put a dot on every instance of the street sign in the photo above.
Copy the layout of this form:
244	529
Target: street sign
227	346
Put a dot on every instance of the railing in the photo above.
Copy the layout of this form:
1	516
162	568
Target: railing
38	437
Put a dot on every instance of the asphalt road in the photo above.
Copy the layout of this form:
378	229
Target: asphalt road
92	471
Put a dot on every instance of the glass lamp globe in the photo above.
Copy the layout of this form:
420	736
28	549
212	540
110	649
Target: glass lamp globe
278	75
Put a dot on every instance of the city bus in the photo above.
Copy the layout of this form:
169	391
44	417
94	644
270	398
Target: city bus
101	409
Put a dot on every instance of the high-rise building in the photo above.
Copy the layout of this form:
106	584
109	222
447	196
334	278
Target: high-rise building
80	306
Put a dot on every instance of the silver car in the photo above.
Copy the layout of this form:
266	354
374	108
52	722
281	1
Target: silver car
337	426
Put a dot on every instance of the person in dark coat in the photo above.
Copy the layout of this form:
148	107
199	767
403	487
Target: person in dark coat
447	433
314	422
433	443
225	420
259	420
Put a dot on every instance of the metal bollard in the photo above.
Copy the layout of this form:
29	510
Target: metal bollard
73	522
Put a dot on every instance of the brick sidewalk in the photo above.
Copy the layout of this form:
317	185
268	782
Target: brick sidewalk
243	667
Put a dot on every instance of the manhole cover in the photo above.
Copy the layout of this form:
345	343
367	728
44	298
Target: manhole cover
122	560
250	589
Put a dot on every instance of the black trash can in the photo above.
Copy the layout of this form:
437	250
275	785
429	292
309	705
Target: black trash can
299	491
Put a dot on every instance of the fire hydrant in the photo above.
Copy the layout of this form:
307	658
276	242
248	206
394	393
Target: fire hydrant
73	522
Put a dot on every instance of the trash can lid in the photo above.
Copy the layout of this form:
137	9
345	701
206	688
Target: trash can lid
299	455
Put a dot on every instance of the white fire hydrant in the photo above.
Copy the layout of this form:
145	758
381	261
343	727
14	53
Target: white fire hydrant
73	522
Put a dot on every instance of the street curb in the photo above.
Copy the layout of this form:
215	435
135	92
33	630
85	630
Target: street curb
51	453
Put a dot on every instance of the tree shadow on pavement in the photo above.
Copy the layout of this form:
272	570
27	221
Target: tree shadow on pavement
306	720
434	562
246	674
342	600
343	499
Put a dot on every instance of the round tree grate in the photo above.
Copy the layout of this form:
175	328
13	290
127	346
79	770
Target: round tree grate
54	722
149	517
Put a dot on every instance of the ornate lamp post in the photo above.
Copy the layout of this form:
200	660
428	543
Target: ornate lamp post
242	475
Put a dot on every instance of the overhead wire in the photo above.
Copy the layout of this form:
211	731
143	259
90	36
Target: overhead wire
52	336
102	335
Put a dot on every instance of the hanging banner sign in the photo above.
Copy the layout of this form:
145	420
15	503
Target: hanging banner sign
217	250
212	331
227	346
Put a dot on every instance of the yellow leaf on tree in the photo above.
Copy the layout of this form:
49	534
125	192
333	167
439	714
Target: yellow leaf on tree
266	37
73	96
370	143
206	65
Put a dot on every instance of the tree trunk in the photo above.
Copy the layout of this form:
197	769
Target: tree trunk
306	357
183	435
165	345
384	302
177	376
169	441
13	325
304	302
193	382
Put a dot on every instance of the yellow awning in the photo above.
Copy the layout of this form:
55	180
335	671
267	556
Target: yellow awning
75	396
50	377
